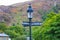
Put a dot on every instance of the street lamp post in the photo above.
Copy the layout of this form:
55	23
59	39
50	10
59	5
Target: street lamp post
29	11
30	23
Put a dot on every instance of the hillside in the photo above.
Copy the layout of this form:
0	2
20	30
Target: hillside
16	13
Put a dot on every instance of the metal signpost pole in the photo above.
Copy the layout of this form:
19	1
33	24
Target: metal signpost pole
30	23
30	29
29	11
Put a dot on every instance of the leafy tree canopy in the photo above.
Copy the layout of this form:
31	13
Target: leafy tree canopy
50	29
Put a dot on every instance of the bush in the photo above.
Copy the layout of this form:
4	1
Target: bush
3	27
50	30
23	37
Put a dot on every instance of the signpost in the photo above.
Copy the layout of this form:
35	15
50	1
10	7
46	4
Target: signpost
30	23
25	24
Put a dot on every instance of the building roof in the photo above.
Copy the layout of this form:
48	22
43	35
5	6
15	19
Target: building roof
3	35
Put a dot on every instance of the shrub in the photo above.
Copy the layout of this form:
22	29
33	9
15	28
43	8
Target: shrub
50	30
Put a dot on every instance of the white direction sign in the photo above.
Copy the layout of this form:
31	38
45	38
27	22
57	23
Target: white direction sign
32	23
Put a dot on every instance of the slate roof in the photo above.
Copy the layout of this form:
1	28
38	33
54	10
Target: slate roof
3	35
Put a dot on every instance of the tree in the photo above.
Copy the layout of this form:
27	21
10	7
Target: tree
14	31
3	27
50	30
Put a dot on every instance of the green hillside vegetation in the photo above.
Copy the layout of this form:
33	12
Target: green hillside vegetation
14	32
50	30
15	15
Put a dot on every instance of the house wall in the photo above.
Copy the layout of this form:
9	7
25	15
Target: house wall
4	38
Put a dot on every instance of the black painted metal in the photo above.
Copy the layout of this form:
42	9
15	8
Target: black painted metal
30	28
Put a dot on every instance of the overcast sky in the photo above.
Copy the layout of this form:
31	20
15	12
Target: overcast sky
9	2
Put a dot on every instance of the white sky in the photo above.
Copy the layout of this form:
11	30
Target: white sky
9	2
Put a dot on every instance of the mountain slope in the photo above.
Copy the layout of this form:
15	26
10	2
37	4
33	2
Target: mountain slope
17	12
